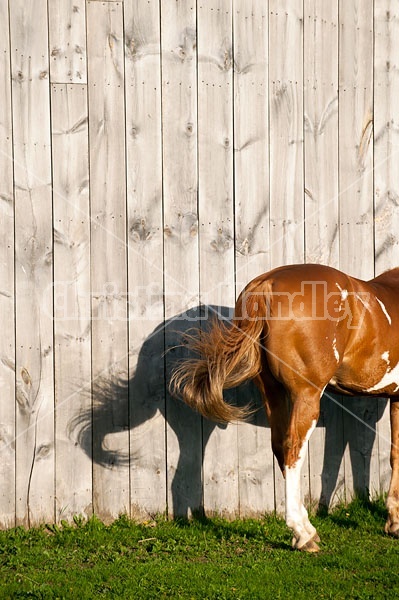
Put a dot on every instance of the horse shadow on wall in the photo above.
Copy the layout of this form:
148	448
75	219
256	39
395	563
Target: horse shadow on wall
147	390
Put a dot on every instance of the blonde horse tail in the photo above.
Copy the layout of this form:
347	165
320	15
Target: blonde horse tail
228	355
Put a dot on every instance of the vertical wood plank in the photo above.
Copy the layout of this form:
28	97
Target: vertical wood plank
215	111
111	494
33	275
179	123
386	136
286	131
356	209
355	137
286	150
7	340
146	310
72	327
251	172
386	187
67	39
251	140
321	208
321	132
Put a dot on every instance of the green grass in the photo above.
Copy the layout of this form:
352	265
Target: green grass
203	559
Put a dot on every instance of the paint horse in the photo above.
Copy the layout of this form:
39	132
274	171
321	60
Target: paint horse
298	330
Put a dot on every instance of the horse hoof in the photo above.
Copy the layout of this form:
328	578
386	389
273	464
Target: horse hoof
309	546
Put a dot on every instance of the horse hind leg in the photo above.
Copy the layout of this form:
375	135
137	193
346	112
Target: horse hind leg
392	524
303	420
276	404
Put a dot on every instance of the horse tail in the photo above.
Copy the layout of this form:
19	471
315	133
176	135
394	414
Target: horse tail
229	354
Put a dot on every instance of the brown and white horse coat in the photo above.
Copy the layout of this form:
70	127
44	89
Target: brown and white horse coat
298	330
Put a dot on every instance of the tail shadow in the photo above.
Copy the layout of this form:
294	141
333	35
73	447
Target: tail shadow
120	404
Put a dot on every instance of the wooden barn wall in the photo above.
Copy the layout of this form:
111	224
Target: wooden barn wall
155	155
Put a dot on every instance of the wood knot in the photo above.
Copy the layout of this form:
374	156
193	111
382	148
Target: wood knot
43	451
132	48
134	131
26	378
223	240
140	231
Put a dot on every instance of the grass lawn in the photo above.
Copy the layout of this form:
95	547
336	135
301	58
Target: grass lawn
203	559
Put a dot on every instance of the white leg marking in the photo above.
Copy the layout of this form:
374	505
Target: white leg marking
296	514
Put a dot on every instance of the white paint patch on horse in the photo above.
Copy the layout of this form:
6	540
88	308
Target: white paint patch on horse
296	514
391	376
344	293
384	310
335	350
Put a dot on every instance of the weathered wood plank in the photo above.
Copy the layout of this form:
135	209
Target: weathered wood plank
356	210
111	494
286	131
251	171
386	188
179	120
72	306
33	269
215	112
251	137
355	137
386	136
67	38
286	149
145	231
7	340
321	211
321	131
